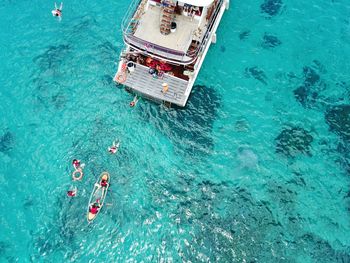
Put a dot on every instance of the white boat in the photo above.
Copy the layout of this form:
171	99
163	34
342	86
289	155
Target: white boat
97	197
166	42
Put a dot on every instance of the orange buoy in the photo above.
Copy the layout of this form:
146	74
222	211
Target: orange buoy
120	77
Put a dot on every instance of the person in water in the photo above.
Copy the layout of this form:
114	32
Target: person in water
57	11
115	147
72	193
134	101
76	164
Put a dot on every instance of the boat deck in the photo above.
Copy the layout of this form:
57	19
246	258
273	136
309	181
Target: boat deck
148	30
142	82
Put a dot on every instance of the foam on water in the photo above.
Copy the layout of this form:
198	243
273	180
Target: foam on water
254	169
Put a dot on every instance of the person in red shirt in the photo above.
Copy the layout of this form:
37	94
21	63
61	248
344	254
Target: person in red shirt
151	63
94	208
104	183
72	193
76	163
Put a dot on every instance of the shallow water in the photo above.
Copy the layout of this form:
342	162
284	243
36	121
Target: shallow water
254	169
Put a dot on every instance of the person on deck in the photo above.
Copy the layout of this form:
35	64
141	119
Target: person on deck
163	66
151	63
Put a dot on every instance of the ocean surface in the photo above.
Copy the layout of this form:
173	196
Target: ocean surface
254	169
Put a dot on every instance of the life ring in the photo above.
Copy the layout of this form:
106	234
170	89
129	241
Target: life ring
121	77
77	178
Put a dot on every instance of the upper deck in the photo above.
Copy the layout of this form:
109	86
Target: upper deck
142	28
180	40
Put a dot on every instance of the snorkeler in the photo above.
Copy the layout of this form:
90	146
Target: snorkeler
115	147
77	165
134	101
57	11
72	193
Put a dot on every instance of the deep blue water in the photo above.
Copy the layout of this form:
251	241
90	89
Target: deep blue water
254	169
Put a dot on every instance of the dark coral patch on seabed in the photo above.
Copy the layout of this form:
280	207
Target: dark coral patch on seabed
4	247
106	52
293	141
311	77
244	34
270	41
308	93
256	73
271	7
338	120
321	249
6	142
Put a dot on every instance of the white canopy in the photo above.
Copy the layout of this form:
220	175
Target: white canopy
197	2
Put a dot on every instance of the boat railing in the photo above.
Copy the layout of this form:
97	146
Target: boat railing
195	52
153	48
133	6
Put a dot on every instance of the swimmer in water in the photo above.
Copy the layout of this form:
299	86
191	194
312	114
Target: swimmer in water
134	101
72	193
77	165
57	11
115	147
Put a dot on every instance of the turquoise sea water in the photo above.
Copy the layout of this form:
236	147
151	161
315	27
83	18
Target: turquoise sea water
254	169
